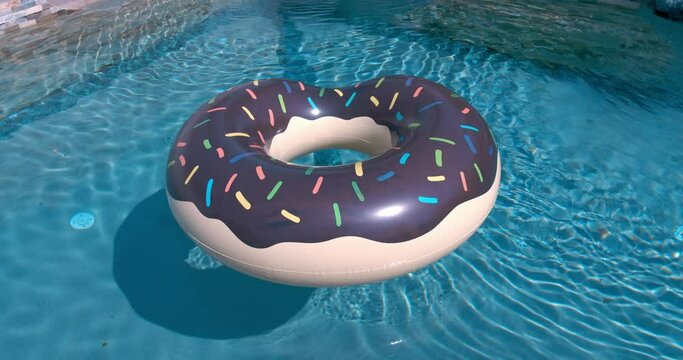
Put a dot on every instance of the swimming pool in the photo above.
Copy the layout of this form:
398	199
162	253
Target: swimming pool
579	258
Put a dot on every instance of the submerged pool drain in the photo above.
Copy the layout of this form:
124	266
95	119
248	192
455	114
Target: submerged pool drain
82	221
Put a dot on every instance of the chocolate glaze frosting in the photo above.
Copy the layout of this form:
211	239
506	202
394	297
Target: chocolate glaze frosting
445	156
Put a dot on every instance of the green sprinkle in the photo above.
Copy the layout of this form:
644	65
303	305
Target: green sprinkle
201	123
322	91
171	163
438	157
447	141
337	214
207	144
415	124
212	100
282	103
476	167
274	190
356	189
454	95
309	171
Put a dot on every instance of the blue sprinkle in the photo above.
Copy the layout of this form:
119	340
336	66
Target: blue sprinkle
404	158
429	106
289	89
315	108
470	144
348	102
209	185
468	127
428	200
386	176
241	156
490	150
82	221
399	116
409	81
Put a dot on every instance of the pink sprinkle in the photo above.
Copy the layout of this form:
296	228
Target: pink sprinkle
465	111
301	85
182	144
417	92
229	184
255	146
251	93
357	85
216	109
220	152
317	185
182	160
260	135
464	182
272	118
396	148
259	173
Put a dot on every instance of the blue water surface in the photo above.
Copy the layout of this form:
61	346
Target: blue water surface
580	257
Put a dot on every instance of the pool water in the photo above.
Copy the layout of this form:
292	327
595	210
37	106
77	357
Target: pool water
580	257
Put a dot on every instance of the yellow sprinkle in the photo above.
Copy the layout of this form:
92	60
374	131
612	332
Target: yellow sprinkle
379	83
248	112
171	163
374	100
436	178
359	168
393	100
293	218
189	177
234	134
255	82
243	201
339	92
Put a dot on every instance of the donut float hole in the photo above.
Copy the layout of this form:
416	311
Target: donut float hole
304	136
330	157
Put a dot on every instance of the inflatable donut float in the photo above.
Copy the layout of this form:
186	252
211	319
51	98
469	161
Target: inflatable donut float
431	181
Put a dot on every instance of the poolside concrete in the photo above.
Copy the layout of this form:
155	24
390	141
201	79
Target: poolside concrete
20	14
